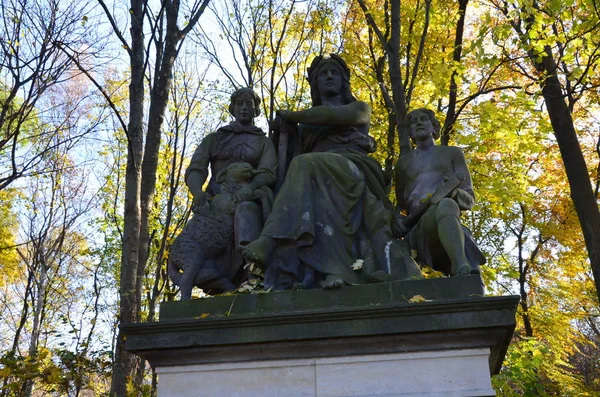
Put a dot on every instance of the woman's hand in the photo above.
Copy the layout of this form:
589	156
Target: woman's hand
284	114
399	230
244	194
200	199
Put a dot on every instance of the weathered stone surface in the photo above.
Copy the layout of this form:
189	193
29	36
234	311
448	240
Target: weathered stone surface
358	320
347	297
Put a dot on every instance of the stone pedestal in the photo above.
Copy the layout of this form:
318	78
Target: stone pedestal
412	338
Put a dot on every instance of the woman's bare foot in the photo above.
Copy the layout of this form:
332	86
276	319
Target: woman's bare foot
259	250
332	282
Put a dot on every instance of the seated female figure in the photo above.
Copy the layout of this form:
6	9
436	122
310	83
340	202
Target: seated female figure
332	211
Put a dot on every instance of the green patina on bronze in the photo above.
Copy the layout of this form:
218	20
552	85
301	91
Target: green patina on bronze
438	238
332	209
352	297
231	212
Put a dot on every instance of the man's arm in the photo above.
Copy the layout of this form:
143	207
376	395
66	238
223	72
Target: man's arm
465	196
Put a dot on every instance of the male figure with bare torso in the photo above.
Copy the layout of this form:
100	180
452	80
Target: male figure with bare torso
439	239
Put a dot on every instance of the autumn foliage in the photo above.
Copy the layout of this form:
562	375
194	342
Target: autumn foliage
99	115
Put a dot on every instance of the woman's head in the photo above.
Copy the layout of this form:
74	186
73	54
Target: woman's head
244	105
322	77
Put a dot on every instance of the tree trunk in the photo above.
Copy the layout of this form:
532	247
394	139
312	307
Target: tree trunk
391	47
124	364
393	53
391	150
140	178
458	40
576	169
42	282
578	175
159	98
23	319
525	306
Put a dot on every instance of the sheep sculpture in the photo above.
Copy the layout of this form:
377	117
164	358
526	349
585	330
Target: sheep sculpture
197	254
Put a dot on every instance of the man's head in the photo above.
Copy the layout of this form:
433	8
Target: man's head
244	105
422	123
329	77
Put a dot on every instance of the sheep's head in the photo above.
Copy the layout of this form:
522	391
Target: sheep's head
236	172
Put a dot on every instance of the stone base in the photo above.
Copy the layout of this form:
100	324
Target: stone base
436	373
408	338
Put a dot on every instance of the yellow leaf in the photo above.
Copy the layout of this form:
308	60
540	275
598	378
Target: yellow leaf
358	264
203	315
417	299
245	287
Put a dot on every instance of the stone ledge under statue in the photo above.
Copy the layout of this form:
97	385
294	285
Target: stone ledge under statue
289	331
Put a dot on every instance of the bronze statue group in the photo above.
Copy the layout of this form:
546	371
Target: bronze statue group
330	223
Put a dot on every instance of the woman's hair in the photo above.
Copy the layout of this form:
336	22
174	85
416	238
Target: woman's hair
313	73
436	124
245	90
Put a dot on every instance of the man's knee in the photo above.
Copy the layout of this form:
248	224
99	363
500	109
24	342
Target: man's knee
447	207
